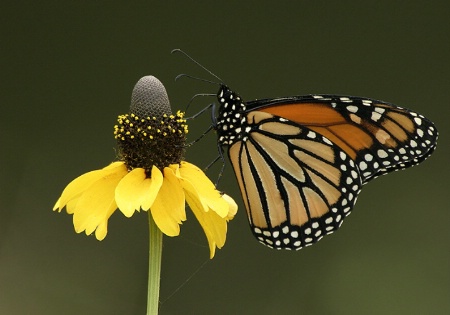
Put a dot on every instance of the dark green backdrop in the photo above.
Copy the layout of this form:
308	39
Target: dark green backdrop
67	71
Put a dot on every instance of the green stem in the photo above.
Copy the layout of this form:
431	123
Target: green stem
154	266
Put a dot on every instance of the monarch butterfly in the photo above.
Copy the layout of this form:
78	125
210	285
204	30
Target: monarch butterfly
301	161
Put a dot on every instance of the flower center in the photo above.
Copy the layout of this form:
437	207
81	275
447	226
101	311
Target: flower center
144	142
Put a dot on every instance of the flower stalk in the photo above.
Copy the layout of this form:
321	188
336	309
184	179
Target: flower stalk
154	266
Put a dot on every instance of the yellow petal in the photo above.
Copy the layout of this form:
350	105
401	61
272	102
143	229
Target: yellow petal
72	205
213	225
189	188
57	205
204	189
97	202
102	229
177	193
176	169
155	184
131	191
114	165
168	210
232	210
76	187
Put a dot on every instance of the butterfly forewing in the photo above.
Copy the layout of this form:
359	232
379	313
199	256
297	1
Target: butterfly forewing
379	136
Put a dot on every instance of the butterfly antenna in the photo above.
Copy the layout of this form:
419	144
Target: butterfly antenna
196	62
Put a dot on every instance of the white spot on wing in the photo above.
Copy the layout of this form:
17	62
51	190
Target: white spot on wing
382	154
375	116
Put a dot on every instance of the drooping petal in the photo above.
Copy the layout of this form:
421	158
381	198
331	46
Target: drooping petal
97	203
200	185
155	184
178	212
194	196
168	209
72	205
76	187
213	225
131	191
102	228
233	207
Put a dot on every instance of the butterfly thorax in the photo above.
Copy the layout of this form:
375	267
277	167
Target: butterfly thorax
231	122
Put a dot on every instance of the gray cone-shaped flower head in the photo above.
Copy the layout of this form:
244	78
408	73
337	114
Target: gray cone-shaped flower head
149	98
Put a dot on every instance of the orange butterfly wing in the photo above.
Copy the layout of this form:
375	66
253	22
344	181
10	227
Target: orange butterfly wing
301	161
297	186
378	136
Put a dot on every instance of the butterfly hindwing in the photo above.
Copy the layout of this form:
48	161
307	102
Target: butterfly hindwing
297	185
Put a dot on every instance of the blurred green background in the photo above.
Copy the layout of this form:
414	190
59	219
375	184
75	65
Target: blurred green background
67	71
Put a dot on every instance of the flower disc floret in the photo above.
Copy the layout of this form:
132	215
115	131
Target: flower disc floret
151	141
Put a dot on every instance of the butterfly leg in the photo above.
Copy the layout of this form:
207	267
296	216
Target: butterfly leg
194	97
200	137
212	105
219	157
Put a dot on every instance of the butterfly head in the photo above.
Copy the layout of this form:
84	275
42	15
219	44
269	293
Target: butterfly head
231	120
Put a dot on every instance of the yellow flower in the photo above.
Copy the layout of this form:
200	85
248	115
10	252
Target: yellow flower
93	197
150	175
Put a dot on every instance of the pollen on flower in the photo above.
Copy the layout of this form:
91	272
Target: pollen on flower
144	142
